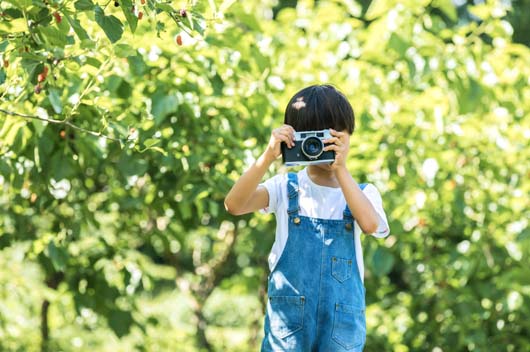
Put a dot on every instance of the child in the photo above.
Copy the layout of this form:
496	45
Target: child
315	290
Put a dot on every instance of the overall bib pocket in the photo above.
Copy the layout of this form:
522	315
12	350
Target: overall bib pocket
286	315
341	268
349	326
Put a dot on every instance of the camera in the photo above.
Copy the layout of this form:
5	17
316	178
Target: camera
308	149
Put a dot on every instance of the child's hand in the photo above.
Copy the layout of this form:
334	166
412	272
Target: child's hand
281	134
340	144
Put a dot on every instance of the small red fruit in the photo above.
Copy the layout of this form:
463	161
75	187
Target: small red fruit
140	15
38	89
41	77
179	39
45	70
183	13
6	63
57	17
62	134
142	2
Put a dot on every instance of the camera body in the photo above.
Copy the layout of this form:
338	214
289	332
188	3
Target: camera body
308	149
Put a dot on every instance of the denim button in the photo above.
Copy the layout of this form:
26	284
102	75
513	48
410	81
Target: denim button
348	226
296	221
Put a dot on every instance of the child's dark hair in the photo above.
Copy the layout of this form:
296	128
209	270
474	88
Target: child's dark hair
319	107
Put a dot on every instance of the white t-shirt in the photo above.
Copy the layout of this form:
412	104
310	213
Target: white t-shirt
311	197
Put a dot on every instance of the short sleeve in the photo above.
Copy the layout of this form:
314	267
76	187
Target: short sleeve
374	196
274	188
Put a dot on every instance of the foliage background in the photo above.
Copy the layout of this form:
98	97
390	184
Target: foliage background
113	172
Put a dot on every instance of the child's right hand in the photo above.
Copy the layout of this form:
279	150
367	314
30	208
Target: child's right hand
281	134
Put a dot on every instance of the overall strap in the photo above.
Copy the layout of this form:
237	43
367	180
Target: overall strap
347	213
292	193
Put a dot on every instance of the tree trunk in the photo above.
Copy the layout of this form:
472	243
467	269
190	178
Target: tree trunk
52	282
202	340
44	331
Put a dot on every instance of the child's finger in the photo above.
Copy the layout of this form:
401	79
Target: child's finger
290	128
289	135
337	133
333	140
333	147
287	138
288	131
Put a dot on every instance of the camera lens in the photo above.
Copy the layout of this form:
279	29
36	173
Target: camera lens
312	147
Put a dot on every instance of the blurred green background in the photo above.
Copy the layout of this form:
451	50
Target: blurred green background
123	124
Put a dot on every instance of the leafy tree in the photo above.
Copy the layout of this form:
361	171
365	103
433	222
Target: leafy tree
121	133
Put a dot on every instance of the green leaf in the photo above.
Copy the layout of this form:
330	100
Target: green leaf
55	100
111	25
217	84
397	44
130	166
126	7
5	169
80	31
21	4
160	27
158	149
190	21
53	36
93	62
378	8
382	261
15	135
58	256
164	105
185	210
124	90
248	19
447	7
3	45
262	61
151	142
84	5
124	50
214	208
137	64
120	322
61	167
2	76
164	7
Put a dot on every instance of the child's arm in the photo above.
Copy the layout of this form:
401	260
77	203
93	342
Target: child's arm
360	206
245	196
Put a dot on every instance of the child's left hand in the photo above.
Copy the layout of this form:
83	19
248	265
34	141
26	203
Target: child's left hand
340	144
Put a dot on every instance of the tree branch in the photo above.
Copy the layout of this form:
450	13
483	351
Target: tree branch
61	122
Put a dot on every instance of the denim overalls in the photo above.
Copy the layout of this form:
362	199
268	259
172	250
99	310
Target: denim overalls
315	293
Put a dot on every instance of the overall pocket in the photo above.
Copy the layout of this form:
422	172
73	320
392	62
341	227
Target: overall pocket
341	268
349	326
286	315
